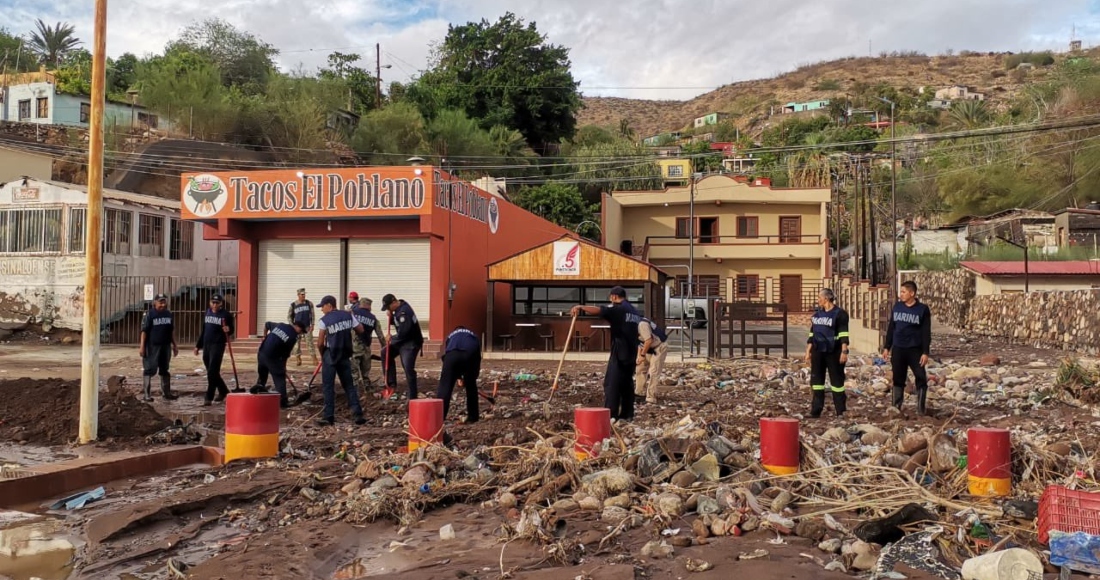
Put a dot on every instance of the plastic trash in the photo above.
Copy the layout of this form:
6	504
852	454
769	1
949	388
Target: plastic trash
79	500
526	377
1011	564
724	384
1077	551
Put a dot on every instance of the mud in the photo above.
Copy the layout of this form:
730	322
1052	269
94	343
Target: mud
47	412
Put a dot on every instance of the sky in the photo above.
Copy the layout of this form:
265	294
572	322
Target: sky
651	49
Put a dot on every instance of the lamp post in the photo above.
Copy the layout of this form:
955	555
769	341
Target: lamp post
893	195
378	74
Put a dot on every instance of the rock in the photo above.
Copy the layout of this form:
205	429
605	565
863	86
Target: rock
873	435
836	566
751	523
700	528
530	523
1061	448
681	541
719	527
895	460
13	326
614	515
810	529
669	504
865	555
353	487
722	447
967	374
564	506
706	468
837	435
726	498
384	482
830	546
990	360
115	381
368	470
590	504
590	537
706	505
944	454
919	459
694	565
604	484
619	501
952	385
781	501
309	493
657	550
447	533
416	475
508	500
683	479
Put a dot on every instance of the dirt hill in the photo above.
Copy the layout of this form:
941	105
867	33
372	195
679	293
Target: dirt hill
751	101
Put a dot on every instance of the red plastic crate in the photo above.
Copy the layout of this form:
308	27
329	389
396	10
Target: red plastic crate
1066	510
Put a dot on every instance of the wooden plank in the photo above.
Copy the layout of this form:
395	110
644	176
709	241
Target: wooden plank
596	265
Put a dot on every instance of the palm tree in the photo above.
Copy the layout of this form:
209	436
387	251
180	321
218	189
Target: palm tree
809	166
969	114
625	130
52	43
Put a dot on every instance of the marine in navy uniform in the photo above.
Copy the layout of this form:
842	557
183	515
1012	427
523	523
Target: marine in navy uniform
275	349
827	349
908	344
360	358
217	326
301	310
158	346
461	354
618	383
334	341
406	343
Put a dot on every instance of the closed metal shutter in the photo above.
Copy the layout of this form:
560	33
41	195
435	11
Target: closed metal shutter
399	267
286	266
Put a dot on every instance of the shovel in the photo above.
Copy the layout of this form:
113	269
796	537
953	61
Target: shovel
387	392
236	381
303	397
557	375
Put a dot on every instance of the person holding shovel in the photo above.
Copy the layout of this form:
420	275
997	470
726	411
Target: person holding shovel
216	328
334	341
461	354
618	383
406	343
275	349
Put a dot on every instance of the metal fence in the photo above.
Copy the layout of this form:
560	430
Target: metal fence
126	299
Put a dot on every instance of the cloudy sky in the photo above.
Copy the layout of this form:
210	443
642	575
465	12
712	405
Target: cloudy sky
657	49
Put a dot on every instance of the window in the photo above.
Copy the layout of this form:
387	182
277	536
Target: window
30	231
182	240
790	230
147	119
116	237
43	106
77	223
150	236
675	170
748	227
748	286
557	300
682	226
24	109
85	112
708	230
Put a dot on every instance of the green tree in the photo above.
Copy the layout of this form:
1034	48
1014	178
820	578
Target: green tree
625	130
615	166
504	73
15	56
244	61
121	73
969	114
453	134
562	204
186	87
590	135
52	43
292	114
388	136
359	84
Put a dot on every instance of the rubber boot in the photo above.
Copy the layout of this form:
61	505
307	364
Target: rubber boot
922	397
166	388
147	382
817	404
899	397
840	403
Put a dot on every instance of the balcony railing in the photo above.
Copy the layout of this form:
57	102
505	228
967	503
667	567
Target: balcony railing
800	246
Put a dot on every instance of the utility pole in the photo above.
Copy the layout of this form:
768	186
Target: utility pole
873	231
378	75
89	374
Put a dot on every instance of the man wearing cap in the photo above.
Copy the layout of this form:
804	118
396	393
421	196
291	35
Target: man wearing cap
360	357
158	346
275	349
461	354
301	310
216	328
406	343
334	341
353	301
618	383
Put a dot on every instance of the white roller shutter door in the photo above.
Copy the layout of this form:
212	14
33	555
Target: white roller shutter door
286	266
401	267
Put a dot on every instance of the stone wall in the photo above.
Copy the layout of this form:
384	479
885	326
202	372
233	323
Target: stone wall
1062	320
949	294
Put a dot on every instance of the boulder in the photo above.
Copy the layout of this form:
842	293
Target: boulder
943	455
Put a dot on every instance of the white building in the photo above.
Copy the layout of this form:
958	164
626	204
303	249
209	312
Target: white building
146	247
34	98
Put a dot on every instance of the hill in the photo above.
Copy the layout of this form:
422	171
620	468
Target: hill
750	102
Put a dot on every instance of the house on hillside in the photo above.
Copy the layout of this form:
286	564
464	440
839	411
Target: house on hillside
752	242
34	98
1023	226
710	119
958	93
793	107
1077	227
147	250
675	170
1008	277
661	139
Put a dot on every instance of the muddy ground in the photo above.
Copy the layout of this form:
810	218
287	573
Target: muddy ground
282	518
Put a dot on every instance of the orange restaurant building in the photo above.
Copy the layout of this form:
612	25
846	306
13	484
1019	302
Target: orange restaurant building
416	232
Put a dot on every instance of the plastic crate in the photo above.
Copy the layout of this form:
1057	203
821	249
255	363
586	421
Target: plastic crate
1068	511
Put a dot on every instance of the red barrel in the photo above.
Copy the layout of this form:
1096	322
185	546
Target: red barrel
251	426
779	447
989	461
425	423
593	425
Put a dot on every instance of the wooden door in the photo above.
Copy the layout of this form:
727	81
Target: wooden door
790	230
790	292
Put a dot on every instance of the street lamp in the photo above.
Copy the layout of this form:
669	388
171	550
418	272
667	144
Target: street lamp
378	74
577	229
893	195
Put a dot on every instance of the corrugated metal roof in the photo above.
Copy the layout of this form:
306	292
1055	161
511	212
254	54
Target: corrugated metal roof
1067	268
116	195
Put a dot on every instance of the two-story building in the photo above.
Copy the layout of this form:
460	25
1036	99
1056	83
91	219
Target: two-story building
751	241
146	248
709	119
34	98
675	170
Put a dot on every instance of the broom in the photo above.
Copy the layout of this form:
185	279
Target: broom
557	375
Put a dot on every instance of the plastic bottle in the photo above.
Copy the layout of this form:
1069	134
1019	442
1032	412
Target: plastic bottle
526	377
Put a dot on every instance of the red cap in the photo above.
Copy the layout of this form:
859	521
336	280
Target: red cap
353	295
